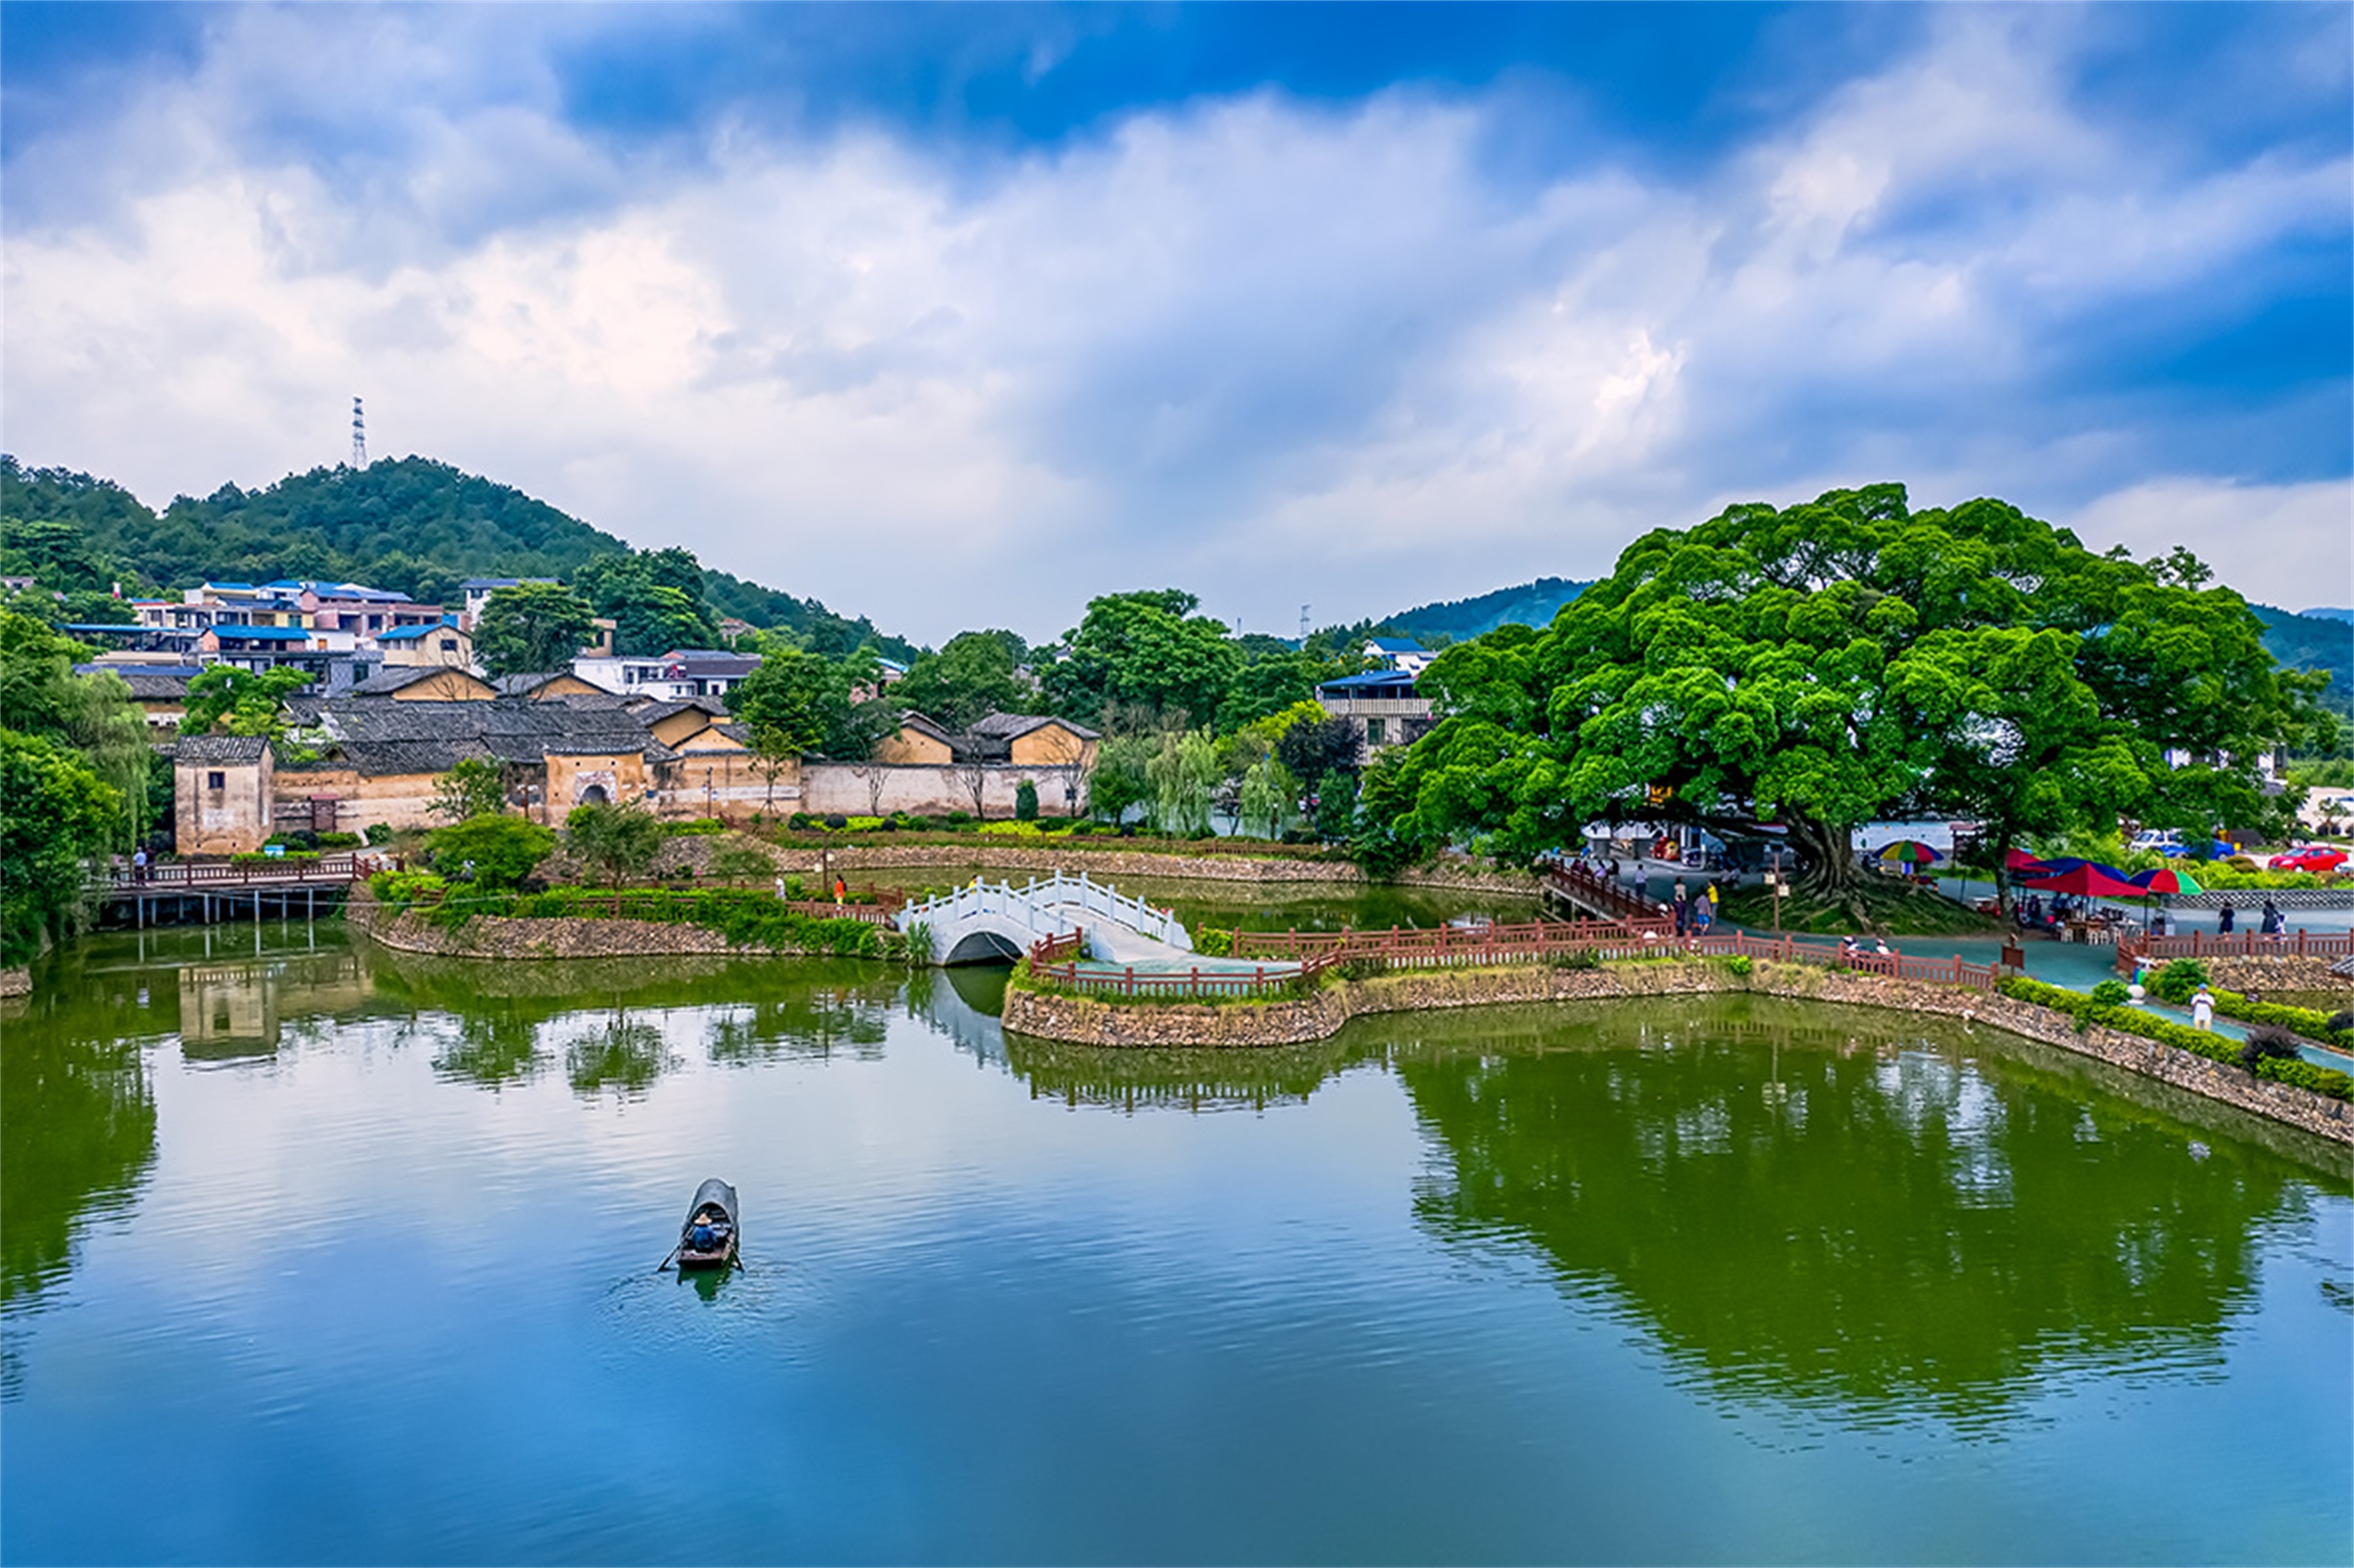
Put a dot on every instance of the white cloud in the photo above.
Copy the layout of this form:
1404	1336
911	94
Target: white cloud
2285	545
1267	351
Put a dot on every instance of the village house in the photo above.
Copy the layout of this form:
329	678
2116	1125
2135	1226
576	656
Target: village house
440	643
926	770
1382	706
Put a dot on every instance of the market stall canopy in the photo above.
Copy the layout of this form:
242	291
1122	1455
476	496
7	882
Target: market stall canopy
1909	851
2165	879
2084	879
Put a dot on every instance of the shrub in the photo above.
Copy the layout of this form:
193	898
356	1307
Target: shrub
2178	980
2111	993
379	833
1740	964
739	862
700	827
339	841
2341	1023
2265	1041
1026	801
959	819
1212	943
798	820
1360	969
619	840
861	824
2214	1047
836	820
405	889
1581	958
502	850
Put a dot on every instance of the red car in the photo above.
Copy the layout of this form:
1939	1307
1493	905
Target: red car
2318	858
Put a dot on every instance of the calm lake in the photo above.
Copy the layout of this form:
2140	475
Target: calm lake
326	1254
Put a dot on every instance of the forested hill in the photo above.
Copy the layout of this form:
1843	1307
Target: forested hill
1530	604
409	524
2311	643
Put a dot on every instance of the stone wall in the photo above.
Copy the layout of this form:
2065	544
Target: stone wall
2270	973
843	787
1087	1021
497	937
1109	864
2285	898
17	982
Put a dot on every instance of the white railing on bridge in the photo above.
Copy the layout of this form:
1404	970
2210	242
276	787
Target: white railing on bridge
1044	906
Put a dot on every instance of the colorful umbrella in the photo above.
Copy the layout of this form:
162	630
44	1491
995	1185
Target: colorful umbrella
2165	879
2018	860
1909	851
2084	880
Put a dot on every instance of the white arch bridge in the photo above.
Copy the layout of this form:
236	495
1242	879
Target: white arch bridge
984	921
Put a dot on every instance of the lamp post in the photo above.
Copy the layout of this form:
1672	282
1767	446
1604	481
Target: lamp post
1773	879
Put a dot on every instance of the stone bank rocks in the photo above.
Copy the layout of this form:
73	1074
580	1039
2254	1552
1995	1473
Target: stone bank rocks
1088	1021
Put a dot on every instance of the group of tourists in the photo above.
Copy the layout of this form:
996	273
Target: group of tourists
1693	916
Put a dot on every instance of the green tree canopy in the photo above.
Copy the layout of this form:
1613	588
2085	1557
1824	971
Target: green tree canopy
471	789
239	701
502	850
1851	659
800	703
54	812
969	679
619	840
531	628
1143	650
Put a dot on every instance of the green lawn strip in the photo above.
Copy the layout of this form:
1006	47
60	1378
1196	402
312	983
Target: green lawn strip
746	917
2087	1013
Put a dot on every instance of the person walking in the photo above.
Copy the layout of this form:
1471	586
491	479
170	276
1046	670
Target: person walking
1683	912
2202	1008
2223	920
2270	924
139	864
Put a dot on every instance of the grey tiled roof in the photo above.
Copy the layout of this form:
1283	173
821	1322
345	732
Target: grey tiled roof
1011	726
220	749
432	736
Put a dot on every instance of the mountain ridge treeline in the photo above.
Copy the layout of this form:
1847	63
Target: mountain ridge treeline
414	524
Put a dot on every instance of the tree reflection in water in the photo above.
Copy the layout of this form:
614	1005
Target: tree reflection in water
1800	1210
618	1054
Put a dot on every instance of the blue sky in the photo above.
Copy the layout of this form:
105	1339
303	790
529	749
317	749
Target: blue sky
954	315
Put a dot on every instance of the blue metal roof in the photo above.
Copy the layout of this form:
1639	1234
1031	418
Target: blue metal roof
1397	644
261	634
411	633
1371	678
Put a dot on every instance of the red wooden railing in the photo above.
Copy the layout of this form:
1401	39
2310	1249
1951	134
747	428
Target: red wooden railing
1580	883
205	873
2299	943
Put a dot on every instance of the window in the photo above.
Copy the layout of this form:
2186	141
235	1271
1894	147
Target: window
448	645
1373	732
216	780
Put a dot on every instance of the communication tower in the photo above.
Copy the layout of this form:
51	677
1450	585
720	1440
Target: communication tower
1303	626
359	436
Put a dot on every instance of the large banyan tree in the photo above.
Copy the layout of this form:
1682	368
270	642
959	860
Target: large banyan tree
1850	659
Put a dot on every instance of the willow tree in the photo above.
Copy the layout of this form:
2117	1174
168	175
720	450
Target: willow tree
1831	663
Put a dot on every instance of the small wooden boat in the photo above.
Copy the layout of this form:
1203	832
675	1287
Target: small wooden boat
709	1237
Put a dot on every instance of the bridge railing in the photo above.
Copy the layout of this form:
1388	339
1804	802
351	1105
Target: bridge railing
206	874
1042	903
1580	883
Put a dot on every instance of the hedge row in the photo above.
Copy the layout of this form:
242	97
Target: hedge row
2166	1032
2309	1021
746	917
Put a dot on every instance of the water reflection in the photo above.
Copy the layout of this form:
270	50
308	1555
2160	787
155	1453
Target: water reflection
1802	1211
1203	1080
621	1053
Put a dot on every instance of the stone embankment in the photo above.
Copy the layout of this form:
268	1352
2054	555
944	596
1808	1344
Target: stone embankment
1087	1021
797	859
2282	897
17	982
2273	972
497	937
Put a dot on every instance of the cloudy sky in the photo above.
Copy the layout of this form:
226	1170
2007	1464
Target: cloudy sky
957	315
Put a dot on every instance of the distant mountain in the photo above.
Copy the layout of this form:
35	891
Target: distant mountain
410	523
2311	641
1529	604
2322	613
